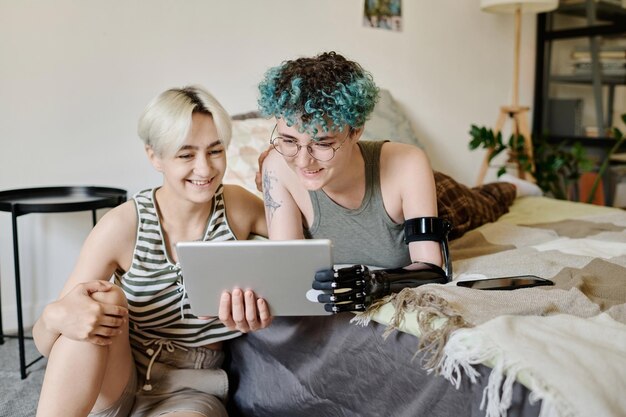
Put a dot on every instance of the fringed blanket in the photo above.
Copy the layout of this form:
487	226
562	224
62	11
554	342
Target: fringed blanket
554	340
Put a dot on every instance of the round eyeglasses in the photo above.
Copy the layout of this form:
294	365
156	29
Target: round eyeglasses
290	147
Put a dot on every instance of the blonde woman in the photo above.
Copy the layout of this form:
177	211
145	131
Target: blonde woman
132	347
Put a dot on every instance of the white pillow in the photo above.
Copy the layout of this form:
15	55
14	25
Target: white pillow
388	121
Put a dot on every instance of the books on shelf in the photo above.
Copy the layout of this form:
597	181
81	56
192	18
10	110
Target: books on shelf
604	65
612	60
594	132
583	53
602	55
606	68
614	2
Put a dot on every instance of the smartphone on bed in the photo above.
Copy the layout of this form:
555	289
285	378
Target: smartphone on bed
506	283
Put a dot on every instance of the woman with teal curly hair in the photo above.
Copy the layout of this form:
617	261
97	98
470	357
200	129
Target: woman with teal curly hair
321	181
322	174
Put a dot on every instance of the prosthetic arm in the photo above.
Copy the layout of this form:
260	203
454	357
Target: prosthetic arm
355	288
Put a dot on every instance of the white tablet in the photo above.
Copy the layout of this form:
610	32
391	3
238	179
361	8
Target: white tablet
281	272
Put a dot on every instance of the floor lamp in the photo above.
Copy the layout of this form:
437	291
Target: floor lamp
518	114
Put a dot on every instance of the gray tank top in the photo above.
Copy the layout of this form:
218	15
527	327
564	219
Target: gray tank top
365	235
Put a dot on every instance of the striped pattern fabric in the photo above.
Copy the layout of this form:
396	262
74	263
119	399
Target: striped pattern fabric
158	306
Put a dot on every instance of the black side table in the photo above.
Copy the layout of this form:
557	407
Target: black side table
49	200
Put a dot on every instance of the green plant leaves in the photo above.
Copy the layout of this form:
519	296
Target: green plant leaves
485	138
555	167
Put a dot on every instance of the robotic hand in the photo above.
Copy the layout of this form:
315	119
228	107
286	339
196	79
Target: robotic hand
355	288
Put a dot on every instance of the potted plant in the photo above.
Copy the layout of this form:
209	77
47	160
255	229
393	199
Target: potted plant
556	168
620	138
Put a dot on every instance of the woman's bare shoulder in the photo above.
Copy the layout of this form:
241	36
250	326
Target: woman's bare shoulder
238	195
112	239
403	157
118	224
244	211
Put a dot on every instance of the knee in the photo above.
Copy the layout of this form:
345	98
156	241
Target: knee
115	296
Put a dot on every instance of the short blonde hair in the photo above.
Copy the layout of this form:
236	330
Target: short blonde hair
165	122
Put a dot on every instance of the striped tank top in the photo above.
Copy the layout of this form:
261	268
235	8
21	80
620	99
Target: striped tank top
158	305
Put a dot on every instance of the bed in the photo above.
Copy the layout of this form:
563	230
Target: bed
447	350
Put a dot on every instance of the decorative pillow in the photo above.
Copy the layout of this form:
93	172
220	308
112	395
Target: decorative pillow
250	138
388	121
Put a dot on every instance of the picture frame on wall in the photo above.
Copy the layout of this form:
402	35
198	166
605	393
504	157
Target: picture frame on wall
383	14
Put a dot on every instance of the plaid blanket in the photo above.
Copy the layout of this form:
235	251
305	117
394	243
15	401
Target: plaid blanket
467	208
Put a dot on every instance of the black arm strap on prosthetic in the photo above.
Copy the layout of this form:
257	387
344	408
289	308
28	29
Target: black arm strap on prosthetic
430	229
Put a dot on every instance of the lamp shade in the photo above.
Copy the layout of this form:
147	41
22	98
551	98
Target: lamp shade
526	6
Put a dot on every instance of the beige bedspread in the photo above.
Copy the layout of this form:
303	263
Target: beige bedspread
582	248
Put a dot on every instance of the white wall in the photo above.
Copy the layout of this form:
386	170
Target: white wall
75	75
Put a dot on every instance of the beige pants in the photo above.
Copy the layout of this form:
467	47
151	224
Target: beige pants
174	380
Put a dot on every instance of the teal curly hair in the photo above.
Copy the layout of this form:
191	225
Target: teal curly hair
326	91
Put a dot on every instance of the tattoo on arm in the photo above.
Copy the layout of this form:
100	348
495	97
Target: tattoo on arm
271	205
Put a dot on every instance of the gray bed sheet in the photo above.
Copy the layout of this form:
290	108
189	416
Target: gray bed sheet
326	366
